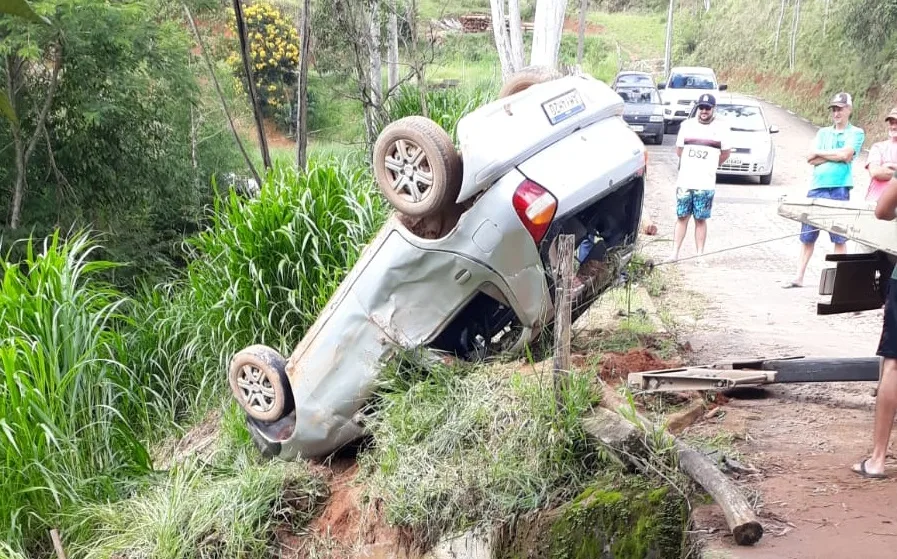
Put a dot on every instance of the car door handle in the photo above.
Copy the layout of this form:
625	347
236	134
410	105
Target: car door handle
462	276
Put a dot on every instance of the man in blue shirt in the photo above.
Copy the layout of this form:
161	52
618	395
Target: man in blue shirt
834	151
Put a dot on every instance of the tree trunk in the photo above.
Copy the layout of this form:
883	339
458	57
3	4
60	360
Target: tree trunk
547	28
563	285
516	34
374	46
250	79
668	46
779	27
581	45
302	100
795	20
392	37
501	38
417	62
230	120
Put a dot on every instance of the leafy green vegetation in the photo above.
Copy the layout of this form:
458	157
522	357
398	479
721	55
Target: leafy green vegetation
454	446
837	48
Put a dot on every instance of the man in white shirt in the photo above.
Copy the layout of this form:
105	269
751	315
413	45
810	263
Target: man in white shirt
702	146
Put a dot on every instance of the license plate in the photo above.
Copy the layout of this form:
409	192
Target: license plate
637	127
733	161
563	106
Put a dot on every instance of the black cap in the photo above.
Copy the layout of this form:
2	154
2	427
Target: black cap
706	100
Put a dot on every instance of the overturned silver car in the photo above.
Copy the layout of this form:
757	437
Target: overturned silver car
464	265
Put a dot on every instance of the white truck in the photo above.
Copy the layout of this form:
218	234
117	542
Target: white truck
681	90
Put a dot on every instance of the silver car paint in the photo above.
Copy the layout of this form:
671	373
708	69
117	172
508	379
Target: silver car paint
404	290
501	134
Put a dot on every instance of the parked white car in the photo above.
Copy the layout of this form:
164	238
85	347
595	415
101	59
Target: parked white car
753	151
465	264
681	90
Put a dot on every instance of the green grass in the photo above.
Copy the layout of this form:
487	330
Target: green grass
66	389
458	446
639	35
197	510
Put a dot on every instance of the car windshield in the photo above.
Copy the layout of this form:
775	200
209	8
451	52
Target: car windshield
639	95
692	81
742	118
634	79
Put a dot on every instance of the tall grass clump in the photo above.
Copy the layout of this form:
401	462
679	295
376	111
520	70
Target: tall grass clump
454	446
198	510
444	106
63	435
260	273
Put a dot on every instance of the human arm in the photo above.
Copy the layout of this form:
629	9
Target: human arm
812	157
851	149
887	203
878	169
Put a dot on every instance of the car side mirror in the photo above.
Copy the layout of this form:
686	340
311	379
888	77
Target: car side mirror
723	87
661	86
773	129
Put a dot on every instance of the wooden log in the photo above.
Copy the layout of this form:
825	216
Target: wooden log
57	544
563	311
740	518
625	441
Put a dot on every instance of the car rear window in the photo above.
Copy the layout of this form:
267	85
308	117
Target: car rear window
634	79
640	95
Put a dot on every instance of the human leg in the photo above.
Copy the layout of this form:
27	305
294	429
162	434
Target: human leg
886	396
684	210
703	204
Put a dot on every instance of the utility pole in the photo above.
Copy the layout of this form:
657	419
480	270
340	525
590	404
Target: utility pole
668	48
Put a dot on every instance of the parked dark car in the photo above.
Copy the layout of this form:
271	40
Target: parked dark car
643	111
631	77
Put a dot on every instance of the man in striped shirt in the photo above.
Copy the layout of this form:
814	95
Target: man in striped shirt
702	146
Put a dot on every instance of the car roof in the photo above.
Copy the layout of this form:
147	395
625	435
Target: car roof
737	100
633	72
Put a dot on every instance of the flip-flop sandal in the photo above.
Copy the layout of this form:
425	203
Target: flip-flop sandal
862	471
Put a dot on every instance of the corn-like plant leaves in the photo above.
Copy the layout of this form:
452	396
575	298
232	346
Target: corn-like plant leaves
21	8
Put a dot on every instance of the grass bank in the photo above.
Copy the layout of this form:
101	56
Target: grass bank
834	51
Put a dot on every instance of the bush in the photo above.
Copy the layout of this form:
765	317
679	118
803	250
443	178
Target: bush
260	273
445	106
456	446
67	391
274	56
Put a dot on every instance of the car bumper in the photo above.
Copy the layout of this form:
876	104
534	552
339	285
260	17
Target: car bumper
646	129
746	167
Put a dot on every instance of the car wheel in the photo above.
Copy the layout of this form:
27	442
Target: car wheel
417	166
766	179
259	382
530	75
658	139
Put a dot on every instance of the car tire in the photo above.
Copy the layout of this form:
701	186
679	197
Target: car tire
766	179
258	380
409	153
528	76
658	139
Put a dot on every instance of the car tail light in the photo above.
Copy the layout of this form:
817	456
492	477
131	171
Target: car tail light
535	207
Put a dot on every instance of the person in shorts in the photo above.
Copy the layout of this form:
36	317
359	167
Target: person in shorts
834	150
886	396
702	145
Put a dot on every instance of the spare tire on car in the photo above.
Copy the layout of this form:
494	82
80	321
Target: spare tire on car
417	166
526	77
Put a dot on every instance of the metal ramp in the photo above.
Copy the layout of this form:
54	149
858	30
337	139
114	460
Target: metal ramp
757	372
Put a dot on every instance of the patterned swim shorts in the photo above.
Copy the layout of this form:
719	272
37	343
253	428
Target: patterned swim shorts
694	202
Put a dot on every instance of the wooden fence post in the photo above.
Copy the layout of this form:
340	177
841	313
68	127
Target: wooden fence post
563	310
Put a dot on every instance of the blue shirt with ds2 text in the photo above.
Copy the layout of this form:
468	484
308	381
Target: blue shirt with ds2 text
833	174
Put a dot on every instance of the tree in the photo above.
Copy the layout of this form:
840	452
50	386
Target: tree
392	39
547	28
508	36
302	101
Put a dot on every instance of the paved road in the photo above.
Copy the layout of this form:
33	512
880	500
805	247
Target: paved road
803	438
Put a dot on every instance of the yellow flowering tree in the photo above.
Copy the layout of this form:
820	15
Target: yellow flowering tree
274	53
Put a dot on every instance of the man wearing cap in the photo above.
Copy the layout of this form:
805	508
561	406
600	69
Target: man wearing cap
834	150
702	146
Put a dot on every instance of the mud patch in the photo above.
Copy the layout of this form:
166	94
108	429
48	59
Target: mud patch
347	527
571	25
616	366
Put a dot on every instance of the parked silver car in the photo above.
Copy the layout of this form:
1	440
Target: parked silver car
464	265
643	111
753	151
